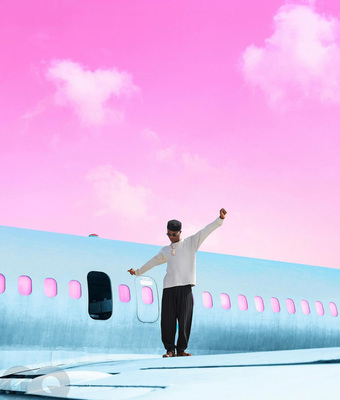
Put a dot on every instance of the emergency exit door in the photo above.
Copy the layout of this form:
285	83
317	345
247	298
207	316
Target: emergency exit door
147	299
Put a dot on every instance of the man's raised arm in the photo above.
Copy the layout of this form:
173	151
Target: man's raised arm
200	236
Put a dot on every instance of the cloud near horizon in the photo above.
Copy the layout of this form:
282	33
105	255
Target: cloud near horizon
89	92
115	195
301	60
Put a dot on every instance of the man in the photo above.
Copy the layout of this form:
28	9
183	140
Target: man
177	301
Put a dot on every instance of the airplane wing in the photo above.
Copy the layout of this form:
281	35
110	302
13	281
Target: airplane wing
292	374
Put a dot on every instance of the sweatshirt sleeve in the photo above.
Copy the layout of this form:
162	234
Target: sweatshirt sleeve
200	236
159	259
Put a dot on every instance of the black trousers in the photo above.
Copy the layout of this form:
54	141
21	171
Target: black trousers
177	304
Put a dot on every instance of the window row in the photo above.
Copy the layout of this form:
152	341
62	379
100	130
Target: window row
50	287
275	304
75	289
75	292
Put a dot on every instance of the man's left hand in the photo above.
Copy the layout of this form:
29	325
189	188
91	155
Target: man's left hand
223	213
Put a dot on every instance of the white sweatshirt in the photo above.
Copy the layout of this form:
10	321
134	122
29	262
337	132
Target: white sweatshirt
181	269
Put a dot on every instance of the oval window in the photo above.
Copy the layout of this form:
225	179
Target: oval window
259	303
333	309
207	300
147	295
74	289
50	287
25	285
305	307
2	283
275	304
290	306
319	308
124	293
225	301
242	302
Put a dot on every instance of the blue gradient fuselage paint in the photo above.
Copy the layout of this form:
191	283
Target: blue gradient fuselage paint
240	304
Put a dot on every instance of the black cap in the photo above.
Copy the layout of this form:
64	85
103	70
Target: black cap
174	225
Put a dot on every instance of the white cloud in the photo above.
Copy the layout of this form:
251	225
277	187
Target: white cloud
89	92
115	195
150	135
165	154
301	60
196	163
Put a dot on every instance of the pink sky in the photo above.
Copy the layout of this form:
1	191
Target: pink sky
116	116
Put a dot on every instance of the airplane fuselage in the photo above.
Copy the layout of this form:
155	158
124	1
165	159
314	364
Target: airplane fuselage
68	294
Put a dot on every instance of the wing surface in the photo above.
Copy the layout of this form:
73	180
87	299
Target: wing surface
293	374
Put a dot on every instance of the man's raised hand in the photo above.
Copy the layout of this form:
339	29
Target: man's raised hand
223	213
132	271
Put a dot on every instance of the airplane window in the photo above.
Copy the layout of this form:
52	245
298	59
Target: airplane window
147	295
207	300
242	302
225	301
259	304
275	304
2	283
74	289
25	285
124	293
50	287
305	307
333	308
290	306
100	295
319	308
